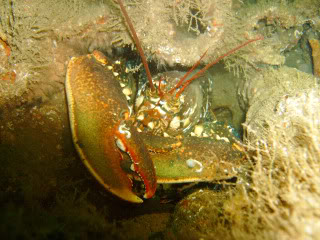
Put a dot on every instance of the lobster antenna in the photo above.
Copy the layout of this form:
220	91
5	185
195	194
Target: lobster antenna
200	72
188	73
137	42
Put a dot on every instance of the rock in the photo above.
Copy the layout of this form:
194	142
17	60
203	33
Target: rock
261	95
200	216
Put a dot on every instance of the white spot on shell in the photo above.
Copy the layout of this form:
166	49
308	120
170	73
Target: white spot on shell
166	134
140	117
123	129
175	122
127	91
198	129
120	145
186	122
181	98
151	125
132	167
160	110
139	100
155	100
225	139
222	138
166	107
130	110
192	163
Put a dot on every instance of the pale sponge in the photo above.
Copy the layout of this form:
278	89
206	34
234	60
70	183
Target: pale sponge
285	194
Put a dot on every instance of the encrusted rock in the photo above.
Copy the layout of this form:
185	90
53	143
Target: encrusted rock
261	95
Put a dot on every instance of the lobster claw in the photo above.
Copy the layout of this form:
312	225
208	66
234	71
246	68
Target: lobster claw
129	141
95	103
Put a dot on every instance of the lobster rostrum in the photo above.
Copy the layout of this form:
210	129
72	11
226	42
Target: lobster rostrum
118	142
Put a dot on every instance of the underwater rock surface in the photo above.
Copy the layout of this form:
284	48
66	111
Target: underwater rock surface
262	95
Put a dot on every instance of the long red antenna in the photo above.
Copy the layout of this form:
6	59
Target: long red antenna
188	73
198	74
138	45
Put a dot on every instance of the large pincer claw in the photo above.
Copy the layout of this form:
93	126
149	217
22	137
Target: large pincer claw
95	103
